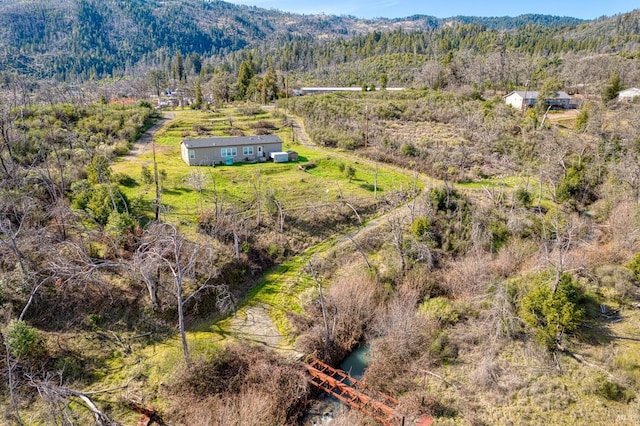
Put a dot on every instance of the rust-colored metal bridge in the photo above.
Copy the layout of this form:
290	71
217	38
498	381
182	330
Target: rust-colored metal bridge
357	394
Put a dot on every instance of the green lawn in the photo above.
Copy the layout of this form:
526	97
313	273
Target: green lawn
324	183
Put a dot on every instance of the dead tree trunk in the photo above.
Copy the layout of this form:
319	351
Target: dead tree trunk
327	333
12	383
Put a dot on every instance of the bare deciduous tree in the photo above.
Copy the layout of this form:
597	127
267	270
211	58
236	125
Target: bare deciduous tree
276	207
395	225
8	164
57	396
256	183
197	181
561	231
9	234
12	385
68	264
189	264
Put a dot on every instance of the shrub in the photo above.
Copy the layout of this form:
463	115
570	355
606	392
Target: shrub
243	378
451	222
249	111
486	375
634	265
522	196
582	119
408	149
201	129
263	124
81	191
350	172
440	309
307	166
552	314
570	185
616	282
146	175
121	148
22	340
347	143
123	179
602	386
275	252
102	201
120	225
420	227
72	367
263	131
442	350
499	234
98	171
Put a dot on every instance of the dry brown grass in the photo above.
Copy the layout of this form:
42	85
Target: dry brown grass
351	303
242	385
400	337
468	277
624	222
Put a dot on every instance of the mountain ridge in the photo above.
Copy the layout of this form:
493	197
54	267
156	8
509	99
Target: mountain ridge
87	39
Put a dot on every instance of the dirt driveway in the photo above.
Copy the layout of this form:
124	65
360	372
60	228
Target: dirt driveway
142	144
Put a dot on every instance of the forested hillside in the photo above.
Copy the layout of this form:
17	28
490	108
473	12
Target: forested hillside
83	39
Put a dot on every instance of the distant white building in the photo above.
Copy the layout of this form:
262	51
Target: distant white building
628	95
521	99
312	90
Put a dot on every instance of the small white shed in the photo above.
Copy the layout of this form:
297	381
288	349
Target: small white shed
629	95
280	157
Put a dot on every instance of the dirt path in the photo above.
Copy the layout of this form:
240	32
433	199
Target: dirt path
142	144
300	134
253	323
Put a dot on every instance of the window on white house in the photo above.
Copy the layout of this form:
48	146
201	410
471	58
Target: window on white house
228	152
247	150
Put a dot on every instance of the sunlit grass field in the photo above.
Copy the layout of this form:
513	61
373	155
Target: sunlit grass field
237	183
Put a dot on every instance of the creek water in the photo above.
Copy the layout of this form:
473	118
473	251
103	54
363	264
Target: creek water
357	362
322	411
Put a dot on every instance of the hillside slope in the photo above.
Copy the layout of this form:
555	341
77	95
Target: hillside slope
90	39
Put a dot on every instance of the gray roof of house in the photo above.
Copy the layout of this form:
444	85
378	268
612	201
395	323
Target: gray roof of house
230	141
533	94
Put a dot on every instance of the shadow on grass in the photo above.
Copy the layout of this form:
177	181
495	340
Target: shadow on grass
370	187
129	182
175	191
595	330
257	163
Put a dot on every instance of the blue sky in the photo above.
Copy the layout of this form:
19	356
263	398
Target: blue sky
585	9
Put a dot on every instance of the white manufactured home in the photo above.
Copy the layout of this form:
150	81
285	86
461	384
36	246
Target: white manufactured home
228	150
527	99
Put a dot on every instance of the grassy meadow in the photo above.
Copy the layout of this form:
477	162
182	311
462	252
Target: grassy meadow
324	181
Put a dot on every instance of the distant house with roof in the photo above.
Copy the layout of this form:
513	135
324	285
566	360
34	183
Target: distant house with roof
228	150
327	89
628	95
526	99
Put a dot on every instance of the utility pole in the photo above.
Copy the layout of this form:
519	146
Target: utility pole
375	183
366	126
524	101
286	93
155	172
